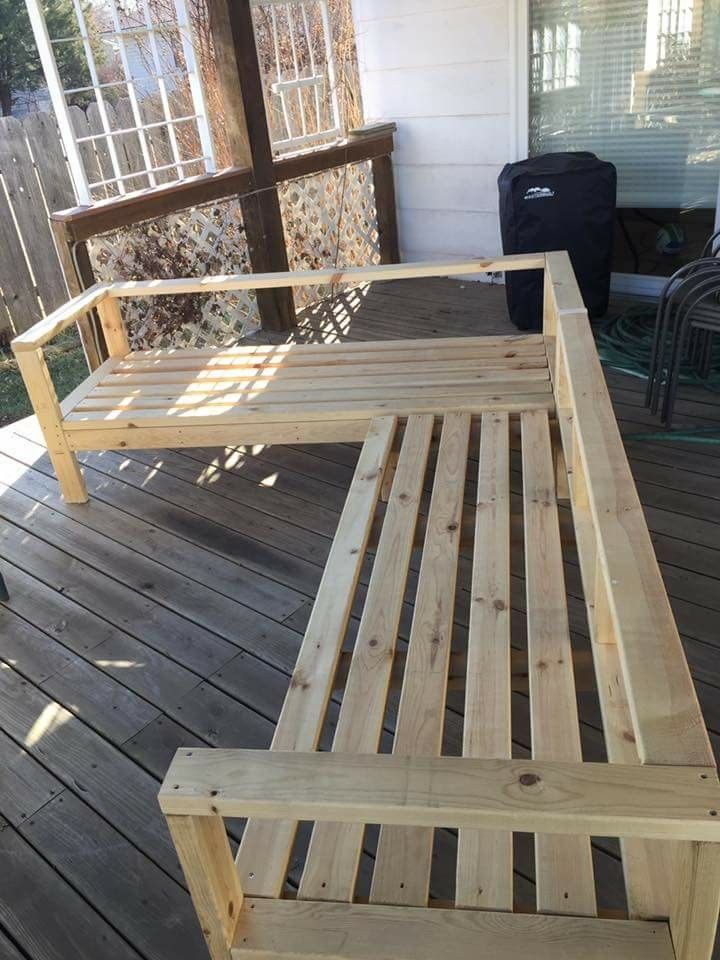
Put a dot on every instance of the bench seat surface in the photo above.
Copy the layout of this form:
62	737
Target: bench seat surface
315	382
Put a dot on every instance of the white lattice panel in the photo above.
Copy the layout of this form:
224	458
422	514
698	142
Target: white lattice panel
198	242
330	220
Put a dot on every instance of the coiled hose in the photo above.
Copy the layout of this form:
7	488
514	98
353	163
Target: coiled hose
624	343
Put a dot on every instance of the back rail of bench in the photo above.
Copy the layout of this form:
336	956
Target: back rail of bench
648	702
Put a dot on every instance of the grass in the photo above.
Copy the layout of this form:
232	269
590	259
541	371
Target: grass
66	362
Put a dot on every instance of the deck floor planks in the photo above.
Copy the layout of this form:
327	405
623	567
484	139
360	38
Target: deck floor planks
239	669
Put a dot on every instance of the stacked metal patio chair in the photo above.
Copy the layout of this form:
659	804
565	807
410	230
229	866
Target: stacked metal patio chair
688	317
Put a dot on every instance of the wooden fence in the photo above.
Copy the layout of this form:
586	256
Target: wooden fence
35	180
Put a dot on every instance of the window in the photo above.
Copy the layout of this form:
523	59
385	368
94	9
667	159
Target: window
555	57
634	81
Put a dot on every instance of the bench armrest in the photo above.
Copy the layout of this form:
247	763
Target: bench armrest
45	330
599	799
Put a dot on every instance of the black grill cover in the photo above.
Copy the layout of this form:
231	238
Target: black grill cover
558	201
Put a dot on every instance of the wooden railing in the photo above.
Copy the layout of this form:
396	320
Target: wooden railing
77	226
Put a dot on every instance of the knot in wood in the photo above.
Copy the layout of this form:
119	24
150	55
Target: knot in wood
529	779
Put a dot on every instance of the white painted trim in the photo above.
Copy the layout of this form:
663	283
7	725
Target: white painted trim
57	98
519	68
637	284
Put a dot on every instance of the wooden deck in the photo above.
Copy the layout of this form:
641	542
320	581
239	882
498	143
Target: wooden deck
168	611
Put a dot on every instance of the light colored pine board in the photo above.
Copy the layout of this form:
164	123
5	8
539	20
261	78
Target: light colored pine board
564	871
130	385
536	796
334	931
648	865
59	319
232	435
484	862
260	411
404	856
334	853
297	278
337	360
41	392
654	665
534	366
260	350
265	849
696	888
204	852
113	327
271	393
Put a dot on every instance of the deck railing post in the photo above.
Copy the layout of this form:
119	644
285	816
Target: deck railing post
384	184
241	88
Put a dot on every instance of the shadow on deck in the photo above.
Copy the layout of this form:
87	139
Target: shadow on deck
168	611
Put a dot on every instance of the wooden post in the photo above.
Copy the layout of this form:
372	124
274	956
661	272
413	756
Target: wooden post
44	401
113	327
696	900
79	276
202	847
385	208
249	140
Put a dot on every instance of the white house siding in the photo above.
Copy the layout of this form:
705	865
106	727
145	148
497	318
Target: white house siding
441	69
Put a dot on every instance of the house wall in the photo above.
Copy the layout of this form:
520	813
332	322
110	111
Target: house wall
446	71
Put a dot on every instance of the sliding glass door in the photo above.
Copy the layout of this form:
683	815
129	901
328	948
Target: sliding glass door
638	83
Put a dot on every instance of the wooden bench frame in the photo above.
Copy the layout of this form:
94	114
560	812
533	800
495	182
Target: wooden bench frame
659	793
64	435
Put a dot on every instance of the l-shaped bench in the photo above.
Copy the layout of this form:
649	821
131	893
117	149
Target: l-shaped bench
438	420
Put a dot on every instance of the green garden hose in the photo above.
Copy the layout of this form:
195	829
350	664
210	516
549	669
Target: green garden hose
624	343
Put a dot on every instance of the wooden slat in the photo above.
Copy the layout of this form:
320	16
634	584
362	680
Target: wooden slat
334	853
48	328
535	365
273	392
404	855
337	359
265	849
667	721
260	411
648	865
178	435
530	342
296	379
539	796
484	863
338	931
87	385
304	278
563	865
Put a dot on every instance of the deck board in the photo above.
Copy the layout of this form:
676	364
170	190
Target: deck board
179	596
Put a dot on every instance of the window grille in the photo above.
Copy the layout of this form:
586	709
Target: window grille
555	57
295	49
147	56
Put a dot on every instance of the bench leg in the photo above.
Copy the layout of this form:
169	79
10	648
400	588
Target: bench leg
204	852
45	403
696	901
